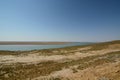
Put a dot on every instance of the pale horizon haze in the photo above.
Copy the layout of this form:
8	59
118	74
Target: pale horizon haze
60	20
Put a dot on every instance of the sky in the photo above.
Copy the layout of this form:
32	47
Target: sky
60	20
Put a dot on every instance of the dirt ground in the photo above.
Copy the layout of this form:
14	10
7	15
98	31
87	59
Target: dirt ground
95	62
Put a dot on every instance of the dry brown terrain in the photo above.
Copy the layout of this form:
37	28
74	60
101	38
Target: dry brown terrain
31	43
99	61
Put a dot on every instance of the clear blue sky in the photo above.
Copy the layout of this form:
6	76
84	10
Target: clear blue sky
59	20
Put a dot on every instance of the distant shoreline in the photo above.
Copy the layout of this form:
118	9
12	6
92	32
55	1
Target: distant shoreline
31	43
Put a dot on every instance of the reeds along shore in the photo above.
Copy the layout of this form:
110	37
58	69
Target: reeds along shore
99	61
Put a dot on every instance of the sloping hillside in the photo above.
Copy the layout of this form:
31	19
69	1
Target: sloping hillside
99	61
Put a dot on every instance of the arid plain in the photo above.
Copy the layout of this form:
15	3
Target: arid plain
100	61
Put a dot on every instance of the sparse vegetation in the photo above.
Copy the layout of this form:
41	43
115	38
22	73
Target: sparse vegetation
23	71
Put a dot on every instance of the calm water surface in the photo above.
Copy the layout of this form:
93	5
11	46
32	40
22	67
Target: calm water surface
32	47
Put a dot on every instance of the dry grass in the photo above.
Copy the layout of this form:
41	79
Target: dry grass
23	71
